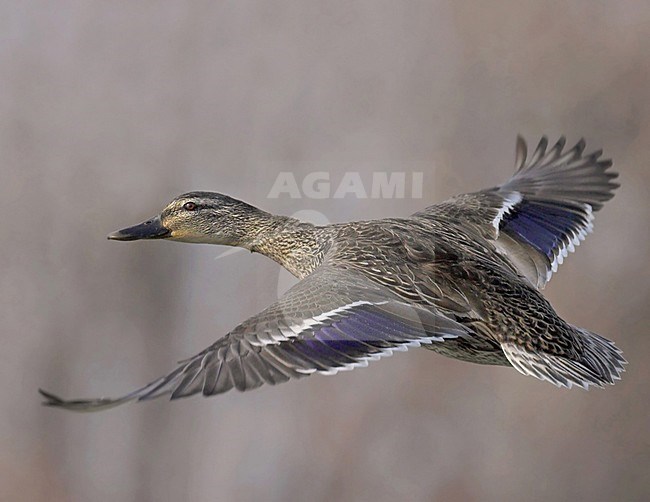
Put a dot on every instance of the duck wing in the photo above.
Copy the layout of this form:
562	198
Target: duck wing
332	320
540	214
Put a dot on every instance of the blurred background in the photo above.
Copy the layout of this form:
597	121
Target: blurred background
110	109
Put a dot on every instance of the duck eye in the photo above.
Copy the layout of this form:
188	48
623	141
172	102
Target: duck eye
189	206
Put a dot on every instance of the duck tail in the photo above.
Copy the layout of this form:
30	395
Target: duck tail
601	356
596	361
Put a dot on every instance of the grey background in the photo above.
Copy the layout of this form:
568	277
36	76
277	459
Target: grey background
109	109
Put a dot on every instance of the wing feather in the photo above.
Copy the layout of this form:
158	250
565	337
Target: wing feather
353	320
543	212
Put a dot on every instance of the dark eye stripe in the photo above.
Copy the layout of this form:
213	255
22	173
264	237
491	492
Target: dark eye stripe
195	206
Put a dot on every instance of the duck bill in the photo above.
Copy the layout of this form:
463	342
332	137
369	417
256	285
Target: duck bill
150	229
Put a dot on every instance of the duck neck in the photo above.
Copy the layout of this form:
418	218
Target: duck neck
297	246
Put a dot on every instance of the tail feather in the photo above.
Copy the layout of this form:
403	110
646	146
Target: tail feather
603	356
595	361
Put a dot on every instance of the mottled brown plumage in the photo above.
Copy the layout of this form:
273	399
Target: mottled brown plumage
461	278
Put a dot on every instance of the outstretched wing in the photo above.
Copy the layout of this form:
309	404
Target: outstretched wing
332	320
546	209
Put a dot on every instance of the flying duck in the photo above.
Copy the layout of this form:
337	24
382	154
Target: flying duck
461	278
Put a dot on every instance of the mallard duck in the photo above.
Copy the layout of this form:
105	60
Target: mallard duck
461	278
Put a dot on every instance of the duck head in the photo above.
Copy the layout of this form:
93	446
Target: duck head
200	217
